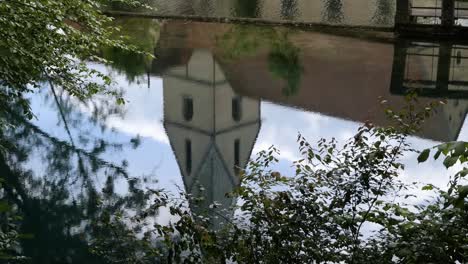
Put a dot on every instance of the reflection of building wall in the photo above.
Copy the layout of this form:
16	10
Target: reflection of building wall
341	76
196	7
455	111
353	12
220	7
212	130
439	71
356	12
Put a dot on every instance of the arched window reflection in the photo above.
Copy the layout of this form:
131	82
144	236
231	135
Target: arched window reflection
188	156
187	106
237	108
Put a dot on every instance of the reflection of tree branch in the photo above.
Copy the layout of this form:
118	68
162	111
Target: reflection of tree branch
62	115
68	146
81	168
12	183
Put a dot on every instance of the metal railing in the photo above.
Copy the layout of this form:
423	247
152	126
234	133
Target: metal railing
460	12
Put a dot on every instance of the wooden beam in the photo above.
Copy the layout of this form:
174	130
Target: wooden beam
399	66
403	13
443	66
448	13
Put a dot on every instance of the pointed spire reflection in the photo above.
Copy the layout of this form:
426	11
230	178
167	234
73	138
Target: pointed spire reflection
212	131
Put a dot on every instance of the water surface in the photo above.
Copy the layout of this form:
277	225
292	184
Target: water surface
215	95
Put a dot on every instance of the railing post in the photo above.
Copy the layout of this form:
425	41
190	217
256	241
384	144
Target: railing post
400	50
448	13
443	66
403	13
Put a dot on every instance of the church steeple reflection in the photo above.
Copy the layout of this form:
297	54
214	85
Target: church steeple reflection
211	129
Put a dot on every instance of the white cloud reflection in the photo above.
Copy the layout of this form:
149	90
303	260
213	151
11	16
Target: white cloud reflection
280	127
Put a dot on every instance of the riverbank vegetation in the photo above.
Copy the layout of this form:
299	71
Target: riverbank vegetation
320	213
52	41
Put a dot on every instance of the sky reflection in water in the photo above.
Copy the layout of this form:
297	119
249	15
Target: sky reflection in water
225	92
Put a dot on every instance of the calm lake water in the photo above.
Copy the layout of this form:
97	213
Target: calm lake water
216	95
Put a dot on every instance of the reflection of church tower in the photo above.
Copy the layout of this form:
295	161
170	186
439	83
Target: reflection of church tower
212	130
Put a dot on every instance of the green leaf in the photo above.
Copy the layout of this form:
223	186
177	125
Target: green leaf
450	161
459	203
463	172
120	101
4	206
444	148
459	148
463	191
424	155
428	187
26	236
387	207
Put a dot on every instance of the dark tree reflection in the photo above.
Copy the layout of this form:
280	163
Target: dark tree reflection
289	9
333	11
246	8
284	60
59	186
142	33
384	12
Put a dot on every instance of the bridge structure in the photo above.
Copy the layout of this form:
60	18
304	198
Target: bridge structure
441	17
434	69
